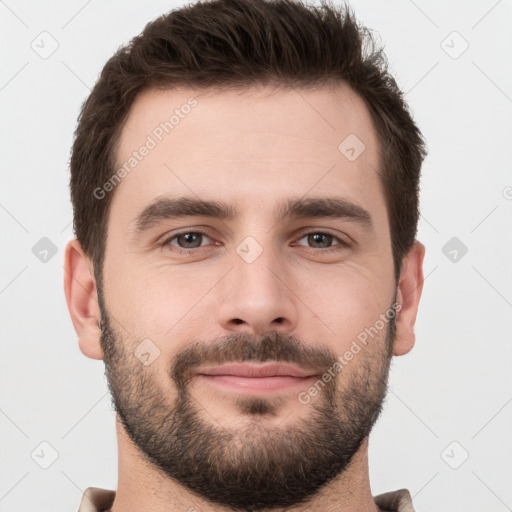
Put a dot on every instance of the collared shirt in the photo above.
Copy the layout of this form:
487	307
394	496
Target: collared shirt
100	500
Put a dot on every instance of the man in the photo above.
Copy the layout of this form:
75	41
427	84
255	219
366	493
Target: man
244	180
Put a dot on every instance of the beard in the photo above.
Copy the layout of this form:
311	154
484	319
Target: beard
259	465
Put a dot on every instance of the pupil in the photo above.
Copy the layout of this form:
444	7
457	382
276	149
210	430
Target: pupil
189	238
317	238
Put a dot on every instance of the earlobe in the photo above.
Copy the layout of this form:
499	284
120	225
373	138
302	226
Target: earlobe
409	291
82	299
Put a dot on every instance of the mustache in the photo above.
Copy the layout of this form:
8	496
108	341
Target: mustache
244	347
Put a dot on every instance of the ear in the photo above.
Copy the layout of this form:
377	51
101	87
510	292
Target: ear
82	299
410	286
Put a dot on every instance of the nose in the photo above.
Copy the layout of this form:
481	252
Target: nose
258	296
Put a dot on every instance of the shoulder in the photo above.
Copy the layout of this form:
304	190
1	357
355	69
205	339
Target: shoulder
396	501
95	499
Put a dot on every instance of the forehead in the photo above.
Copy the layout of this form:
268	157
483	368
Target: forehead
322	115
247	145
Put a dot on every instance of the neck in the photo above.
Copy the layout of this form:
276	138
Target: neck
142	486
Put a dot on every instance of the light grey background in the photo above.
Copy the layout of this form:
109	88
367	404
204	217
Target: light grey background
456	384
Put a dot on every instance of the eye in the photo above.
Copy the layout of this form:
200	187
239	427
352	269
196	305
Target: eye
323	241
187	241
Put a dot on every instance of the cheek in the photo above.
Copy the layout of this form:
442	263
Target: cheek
163	302
159	302
349	301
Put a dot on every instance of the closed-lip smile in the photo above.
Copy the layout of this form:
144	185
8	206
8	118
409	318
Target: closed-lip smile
250	378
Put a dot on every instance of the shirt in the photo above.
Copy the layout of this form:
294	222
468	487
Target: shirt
100	500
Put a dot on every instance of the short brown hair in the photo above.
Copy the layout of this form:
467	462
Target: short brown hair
239	43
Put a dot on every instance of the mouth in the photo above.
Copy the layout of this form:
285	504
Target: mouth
256	379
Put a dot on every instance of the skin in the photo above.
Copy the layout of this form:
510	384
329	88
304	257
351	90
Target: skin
251	149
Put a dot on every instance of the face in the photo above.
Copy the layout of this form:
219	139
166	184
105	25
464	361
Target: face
248	291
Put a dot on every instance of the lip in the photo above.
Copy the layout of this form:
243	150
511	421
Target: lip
256	371
250	379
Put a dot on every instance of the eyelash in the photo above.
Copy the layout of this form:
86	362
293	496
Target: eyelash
342	244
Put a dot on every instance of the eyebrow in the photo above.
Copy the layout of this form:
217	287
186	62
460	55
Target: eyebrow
302	208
